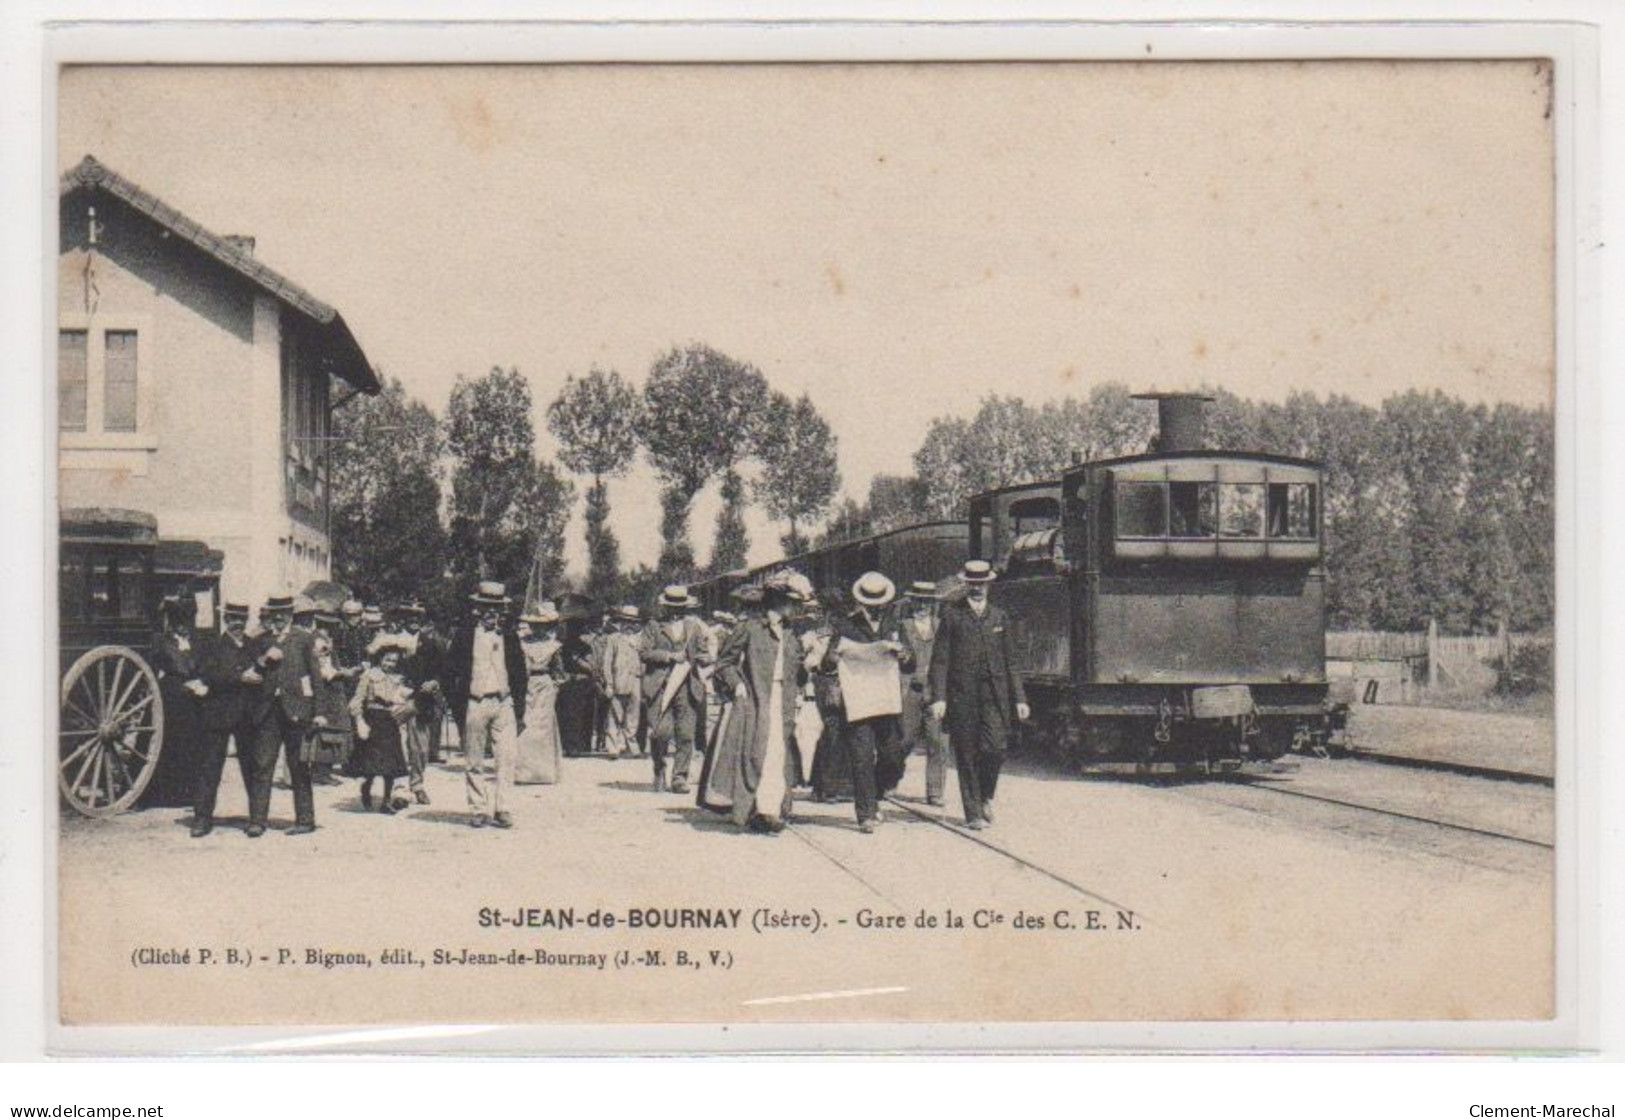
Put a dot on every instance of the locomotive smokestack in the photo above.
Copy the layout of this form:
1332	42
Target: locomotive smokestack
1179	420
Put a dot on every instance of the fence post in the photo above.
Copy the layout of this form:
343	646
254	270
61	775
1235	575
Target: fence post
1433	653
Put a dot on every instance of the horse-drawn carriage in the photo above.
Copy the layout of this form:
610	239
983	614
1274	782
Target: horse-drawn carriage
114	575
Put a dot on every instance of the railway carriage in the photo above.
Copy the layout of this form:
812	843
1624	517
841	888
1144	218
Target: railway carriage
932	550
1174	614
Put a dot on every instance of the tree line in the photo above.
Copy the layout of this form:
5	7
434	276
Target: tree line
1434	508
426	505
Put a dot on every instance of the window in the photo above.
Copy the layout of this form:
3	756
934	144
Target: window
115	588
118	380
1292	510
1241	509
1142	509
72	379
1193	509
1033	514
99	379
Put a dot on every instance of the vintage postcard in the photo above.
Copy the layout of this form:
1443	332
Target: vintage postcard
895	542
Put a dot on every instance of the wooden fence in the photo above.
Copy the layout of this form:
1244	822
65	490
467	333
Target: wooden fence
1463	663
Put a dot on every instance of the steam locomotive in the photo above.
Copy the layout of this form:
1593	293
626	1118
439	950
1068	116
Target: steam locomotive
1168	608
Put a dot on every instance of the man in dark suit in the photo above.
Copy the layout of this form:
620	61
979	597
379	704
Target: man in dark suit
422	669
975	687
873	743
675	717
485	681
228	667
283	711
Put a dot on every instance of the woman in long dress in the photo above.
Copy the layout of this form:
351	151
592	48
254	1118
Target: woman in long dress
750	775
541	748
382	701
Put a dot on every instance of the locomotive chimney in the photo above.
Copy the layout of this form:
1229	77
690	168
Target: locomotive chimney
1179	420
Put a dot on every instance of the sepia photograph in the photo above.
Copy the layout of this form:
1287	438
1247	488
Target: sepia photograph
882	542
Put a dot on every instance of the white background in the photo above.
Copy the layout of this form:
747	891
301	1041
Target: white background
1221	1086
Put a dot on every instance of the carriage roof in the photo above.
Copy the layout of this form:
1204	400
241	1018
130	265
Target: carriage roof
109	526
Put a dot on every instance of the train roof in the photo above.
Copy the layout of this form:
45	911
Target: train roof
1159	456
812	552
1017	487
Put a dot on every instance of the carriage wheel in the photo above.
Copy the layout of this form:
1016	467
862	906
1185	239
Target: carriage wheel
111	733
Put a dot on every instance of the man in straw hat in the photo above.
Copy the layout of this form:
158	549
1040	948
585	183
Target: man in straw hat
228	667
874	742
975	688
675	649
485	684
286	706
921	731
623	675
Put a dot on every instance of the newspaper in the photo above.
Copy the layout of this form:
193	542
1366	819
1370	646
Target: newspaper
871	682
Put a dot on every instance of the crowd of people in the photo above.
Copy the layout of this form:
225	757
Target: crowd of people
782	692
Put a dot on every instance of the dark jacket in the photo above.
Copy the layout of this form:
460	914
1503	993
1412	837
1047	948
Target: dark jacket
221	663
853	627
291	682
660	653
427	663
459	669
968	654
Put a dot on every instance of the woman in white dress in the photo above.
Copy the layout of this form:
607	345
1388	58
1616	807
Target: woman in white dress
541	751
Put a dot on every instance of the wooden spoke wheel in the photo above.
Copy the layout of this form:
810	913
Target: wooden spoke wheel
111	732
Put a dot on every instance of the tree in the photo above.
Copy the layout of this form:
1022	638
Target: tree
942	468
850	521
896	501
384	473
596	422
1430	436
701	410
800	472
508	510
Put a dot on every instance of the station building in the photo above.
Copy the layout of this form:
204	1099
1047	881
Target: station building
195	384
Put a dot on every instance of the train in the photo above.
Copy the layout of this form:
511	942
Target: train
1168	609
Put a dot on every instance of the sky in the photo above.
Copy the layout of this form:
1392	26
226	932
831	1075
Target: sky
896	240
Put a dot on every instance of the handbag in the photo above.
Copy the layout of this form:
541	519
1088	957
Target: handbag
325	746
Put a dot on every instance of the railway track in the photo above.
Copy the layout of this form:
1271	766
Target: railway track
806	837
1455	827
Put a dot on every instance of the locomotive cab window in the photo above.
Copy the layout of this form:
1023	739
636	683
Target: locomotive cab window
1142	509
1034	515
1241	509
1292	513
1193	509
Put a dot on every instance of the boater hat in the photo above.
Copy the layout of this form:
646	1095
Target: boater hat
977	571
923	589
677	598
411	607
372	616
627	614
489	593
235	610
874	590
278	604
325	615
352	608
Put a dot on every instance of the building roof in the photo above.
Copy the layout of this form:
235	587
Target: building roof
350	363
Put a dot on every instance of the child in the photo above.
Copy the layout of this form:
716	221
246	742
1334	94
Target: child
381	703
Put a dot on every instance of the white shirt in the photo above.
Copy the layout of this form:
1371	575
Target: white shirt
489	675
